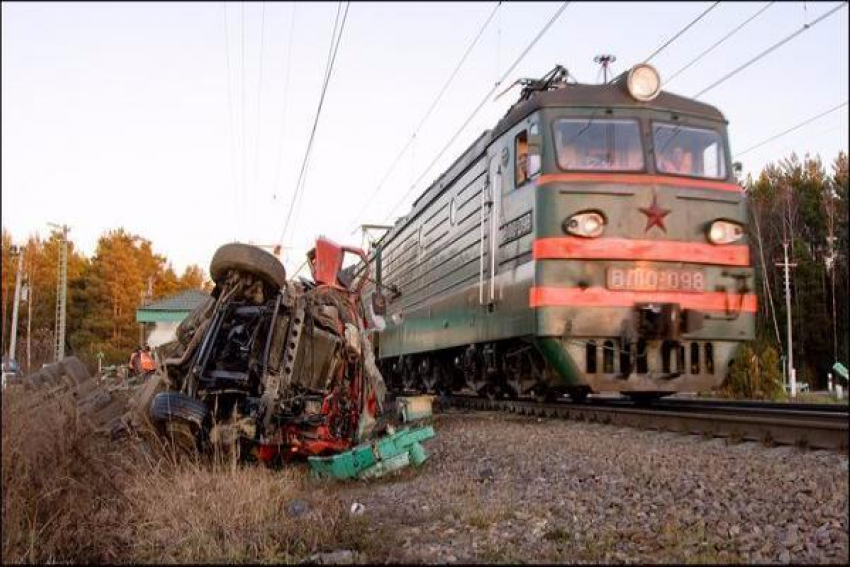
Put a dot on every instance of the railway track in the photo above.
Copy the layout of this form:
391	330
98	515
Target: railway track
819	426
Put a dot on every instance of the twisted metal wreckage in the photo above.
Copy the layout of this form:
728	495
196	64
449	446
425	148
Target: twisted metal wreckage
278	369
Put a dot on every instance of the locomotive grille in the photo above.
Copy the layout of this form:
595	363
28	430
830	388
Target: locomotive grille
625	357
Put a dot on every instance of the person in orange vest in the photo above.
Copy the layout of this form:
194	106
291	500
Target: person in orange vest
146	361
135	361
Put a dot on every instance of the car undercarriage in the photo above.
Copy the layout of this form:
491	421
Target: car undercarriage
277	368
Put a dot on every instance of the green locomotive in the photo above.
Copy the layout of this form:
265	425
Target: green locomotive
594	240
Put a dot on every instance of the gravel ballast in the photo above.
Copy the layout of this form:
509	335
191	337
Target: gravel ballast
504	488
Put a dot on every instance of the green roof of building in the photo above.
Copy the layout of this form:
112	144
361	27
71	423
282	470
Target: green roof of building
173	308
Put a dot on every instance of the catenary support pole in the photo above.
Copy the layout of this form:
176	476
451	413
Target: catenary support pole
13	337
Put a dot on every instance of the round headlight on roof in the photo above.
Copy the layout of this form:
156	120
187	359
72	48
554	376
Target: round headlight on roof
643	82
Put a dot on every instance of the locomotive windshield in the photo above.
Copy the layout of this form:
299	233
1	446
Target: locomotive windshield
694	152
612	145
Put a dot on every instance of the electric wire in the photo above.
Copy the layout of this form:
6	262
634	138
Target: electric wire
427	115
243	214
482	103
334	47
259	100
770	49
718	42
328	71
231	127
789	130
682	31
279	159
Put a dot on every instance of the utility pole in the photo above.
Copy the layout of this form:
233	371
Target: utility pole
15	251
605	60
61	292
792	373
830	268
366	230
30	295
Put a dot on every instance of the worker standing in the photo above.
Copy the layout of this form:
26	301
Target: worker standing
146	361
135	362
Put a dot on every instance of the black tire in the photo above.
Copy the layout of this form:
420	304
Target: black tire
37	379
182	436
173	406
247	258
74	367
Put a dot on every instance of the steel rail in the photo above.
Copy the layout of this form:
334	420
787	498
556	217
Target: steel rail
816	430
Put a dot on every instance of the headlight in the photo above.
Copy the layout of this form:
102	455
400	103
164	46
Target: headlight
587	224
643	82
724	232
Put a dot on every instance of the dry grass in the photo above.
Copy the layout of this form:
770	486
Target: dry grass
70	496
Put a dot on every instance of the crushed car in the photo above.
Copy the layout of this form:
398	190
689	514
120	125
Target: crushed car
274	367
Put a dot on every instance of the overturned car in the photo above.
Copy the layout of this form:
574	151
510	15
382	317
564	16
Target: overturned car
274	367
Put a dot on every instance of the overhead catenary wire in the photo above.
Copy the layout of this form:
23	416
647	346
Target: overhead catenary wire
770	49
427	115
718	42
231	127
259	99
306	168
789	130
332	52
681	32
482	103
279	152
244	145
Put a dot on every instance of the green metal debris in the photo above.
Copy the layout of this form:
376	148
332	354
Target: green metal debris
375	459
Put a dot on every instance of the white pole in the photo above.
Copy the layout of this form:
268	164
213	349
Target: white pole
792	374
14	336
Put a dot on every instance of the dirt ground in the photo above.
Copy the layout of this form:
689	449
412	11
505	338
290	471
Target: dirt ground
504	488
496	488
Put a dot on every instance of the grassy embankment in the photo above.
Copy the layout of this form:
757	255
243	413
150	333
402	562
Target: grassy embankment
70	496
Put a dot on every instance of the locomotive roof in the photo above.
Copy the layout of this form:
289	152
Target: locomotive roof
613	94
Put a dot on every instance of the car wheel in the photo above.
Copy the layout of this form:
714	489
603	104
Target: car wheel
247	258
180	418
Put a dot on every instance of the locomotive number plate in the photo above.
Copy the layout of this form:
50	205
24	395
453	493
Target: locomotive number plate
652	279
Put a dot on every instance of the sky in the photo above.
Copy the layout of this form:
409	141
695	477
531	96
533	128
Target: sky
188	123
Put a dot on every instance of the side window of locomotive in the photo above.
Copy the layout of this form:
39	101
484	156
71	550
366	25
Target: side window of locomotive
534	159
695	152
527	164
521	164
594	144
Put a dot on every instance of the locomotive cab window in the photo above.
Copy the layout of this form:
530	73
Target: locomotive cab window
527	165
694	152
591	144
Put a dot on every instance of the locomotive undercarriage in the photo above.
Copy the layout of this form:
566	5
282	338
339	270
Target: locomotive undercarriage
516	368
504	369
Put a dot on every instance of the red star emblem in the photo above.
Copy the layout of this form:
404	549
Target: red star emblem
655	214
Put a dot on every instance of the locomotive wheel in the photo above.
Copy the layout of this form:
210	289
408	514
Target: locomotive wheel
247	258
645	398
544	395
579	395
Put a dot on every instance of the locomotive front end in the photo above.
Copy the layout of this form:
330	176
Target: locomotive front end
643	281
